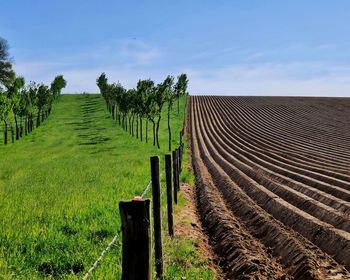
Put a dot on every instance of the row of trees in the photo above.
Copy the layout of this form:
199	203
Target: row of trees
143	103
23	104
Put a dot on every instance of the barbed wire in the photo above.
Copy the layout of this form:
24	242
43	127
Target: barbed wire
148	186
146	189
95	264
115	238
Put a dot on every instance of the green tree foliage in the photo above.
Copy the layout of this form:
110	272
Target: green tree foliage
20	103
7	75
14	92
143	104
181	88
57	85
5	109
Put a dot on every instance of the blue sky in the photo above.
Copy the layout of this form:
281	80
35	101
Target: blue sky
242	47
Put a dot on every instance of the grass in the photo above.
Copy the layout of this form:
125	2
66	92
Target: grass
60	187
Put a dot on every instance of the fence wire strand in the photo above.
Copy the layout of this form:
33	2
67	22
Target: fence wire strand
149	185
95	264
115	238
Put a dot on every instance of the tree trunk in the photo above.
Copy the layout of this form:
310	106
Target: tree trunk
42	115
137	126
169	129
154	133
5	133
12	134
132	125
38	120
21	128
17	128
31	123
157	132
113	111
141	128
178	105
25	126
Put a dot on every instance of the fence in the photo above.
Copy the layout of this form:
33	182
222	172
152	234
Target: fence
136	223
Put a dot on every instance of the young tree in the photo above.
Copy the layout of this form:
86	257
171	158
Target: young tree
5	109
102	83
148	104
14	94
144	89
180	89
153	111
160	97
43	99
170	98
57	85
7	75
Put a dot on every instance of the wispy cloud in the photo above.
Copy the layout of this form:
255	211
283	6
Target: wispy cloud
272	79
139	52
129	56
257	72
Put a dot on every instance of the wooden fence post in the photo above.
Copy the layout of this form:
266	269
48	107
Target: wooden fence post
180	158
175	176
157	217
169	191
135	217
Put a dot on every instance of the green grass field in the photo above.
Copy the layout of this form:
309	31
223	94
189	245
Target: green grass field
60	187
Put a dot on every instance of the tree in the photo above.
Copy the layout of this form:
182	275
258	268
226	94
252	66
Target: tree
7	75
102	83
144	90
5	109
43	99
57	85
180	88
160	97
148	104
145	103
14	94
19	101
170	98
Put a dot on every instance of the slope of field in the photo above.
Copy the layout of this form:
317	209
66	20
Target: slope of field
273	184
59	193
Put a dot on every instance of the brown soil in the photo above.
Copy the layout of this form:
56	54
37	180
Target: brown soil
187	225
273	184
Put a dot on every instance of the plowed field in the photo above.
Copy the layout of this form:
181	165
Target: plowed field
273	184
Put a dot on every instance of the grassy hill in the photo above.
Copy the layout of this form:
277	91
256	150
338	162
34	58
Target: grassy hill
60	187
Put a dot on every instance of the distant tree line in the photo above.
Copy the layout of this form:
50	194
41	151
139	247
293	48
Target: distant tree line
132	107
25	105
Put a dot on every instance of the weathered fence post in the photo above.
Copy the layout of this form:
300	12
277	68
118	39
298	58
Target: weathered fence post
180	158
157	217
175	176
135	217
169	191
